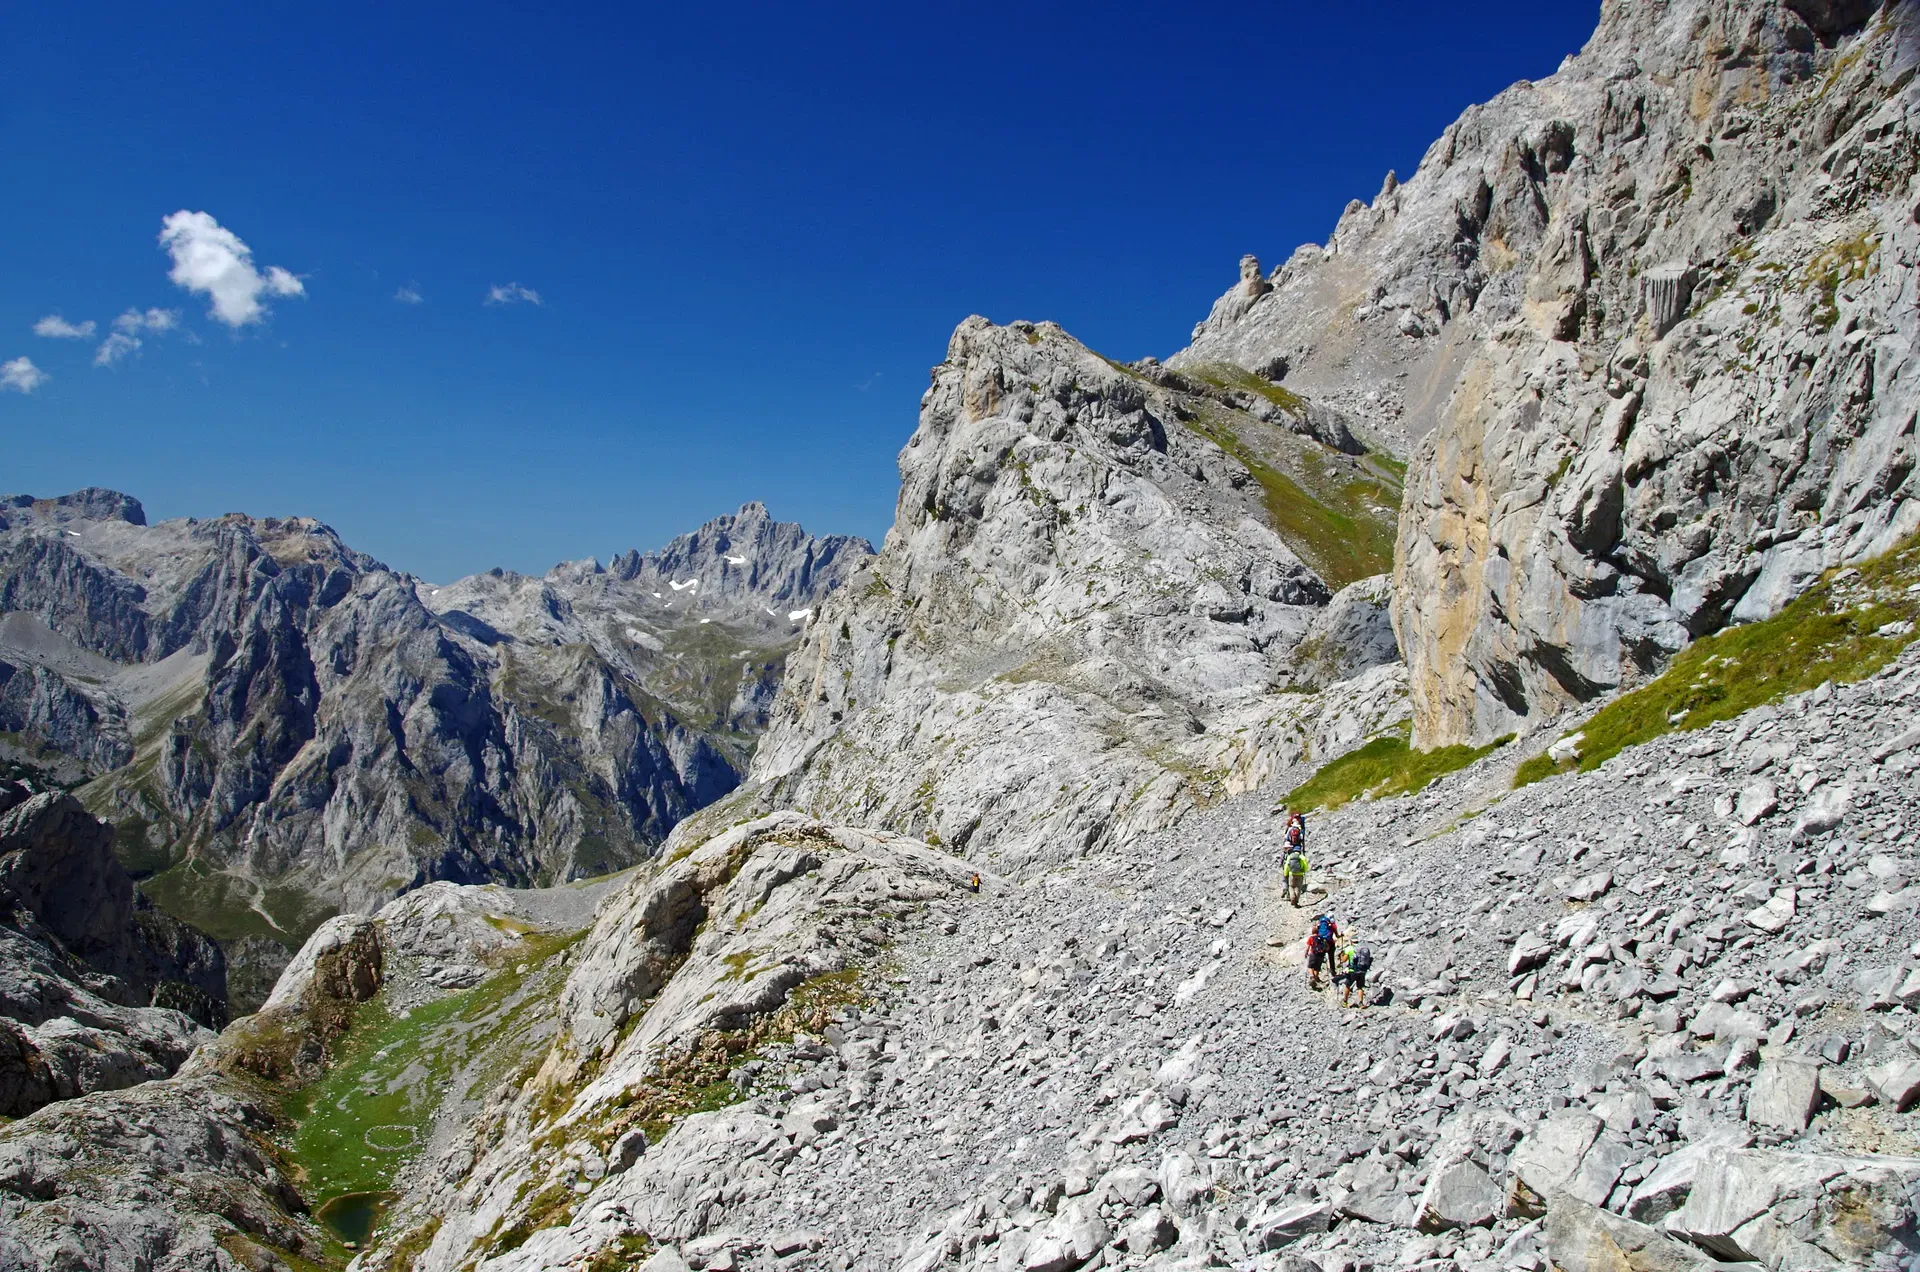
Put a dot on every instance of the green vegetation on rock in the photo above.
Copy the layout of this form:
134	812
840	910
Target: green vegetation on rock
1848	260
1844	628
373	1111
1384	767
1342	523
1225	375
230	908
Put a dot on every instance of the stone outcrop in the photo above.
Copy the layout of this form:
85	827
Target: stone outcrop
1084	618
95	992
1649	324
721	949
176	1176
1353	634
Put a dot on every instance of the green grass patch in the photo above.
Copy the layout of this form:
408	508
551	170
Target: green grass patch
1831	632
358	1125
1384	767
1343	545
1341	516
1848	260
222	905
374	1110
1225	375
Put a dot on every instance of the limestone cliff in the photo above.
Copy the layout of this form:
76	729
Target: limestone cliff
1083	620
1650	322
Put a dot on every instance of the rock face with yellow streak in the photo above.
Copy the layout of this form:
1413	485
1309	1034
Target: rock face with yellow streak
1649	325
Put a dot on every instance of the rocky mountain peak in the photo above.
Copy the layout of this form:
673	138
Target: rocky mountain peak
1086	606
92	504
744	560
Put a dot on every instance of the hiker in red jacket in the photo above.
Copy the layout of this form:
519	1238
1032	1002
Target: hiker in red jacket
1320	938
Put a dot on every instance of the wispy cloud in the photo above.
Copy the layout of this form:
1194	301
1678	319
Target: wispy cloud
870	381
54	327
409	294
210	258
21	376
127	329
511	294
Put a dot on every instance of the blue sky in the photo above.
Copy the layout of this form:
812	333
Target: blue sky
750	230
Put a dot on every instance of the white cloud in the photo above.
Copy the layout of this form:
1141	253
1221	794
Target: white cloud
21	375
409	294
158	321
210	258
511	294
127	328
115	347
54	327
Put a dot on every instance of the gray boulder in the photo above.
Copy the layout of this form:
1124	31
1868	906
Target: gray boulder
1798	1210
1548	1160
1785	1093
1584	1238
1459	1195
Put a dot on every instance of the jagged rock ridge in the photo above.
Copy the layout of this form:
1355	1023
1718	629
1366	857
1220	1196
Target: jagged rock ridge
97	992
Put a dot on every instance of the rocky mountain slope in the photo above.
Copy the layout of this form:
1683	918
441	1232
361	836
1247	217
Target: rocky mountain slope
282	727
97	991
1089	614
1650	321
1653	1015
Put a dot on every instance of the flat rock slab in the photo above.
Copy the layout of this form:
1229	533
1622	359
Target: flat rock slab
1459	1195
1785	1093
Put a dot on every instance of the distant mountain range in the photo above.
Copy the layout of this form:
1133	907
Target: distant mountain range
281	726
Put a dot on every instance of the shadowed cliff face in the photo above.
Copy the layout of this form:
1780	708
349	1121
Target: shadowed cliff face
283	727
1649	323
96	992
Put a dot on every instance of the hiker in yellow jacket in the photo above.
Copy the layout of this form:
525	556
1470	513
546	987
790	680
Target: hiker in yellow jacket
1293	868
1293	874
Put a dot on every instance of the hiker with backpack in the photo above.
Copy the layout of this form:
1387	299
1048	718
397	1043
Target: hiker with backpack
1293	867
1293	873
1320	938
1353	979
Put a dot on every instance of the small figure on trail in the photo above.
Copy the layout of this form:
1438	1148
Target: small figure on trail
1293	874
1297	831
1355	982
1320	938
974	882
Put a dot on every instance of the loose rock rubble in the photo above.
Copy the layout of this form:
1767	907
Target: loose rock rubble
1616	1019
